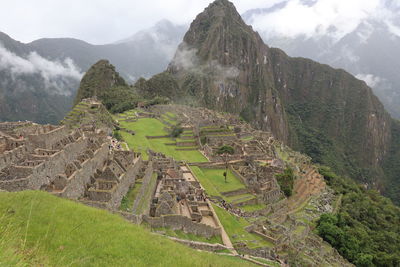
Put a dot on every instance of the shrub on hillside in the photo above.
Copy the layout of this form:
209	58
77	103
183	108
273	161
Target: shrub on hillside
176	131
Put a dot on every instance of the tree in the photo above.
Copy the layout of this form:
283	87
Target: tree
228	150
225	151
176	131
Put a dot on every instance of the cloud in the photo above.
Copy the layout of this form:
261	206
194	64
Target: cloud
370	79
334	18
186	58
97	21
55	74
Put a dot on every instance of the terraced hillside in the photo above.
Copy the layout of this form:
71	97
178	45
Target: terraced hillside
88	112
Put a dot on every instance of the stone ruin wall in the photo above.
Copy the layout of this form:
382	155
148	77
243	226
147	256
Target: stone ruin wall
146	183
10	156
77	182
185	224
43	173
126	181
48	139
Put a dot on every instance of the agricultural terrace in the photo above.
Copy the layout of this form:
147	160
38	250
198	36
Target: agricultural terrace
153	127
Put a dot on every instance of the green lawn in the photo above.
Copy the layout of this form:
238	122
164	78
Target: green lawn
213	180
129	199
170	120
153	127
170	114
254	207
234	227
51	231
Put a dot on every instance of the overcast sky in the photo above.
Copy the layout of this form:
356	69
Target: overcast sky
98	21
106	21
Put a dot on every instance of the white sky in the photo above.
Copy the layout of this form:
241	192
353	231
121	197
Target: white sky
98	21
106	21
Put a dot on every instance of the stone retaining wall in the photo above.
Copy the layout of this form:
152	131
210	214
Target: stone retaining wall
8	157
146	186
235	192
124	184
179	222
200	245
157	137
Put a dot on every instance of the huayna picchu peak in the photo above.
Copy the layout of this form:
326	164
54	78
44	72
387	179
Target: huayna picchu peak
235	155
97	80
325	112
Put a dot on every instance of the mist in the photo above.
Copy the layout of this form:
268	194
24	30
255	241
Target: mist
55	74
186	58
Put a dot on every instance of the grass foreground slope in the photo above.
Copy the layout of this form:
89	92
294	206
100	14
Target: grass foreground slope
40	229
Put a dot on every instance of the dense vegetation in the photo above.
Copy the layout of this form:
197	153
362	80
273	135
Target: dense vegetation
97	80
38	229
120	98
391	165
225	149
366	227
162	84
286	181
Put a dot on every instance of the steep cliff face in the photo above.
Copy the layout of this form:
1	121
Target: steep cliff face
351	121
98	80
225	65
327	113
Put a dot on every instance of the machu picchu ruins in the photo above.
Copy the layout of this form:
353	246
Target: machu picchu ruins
195	143
82	161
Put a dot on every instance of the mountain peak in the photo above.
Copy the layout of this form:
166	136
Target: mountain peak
98	79
222	10
222	60
218	31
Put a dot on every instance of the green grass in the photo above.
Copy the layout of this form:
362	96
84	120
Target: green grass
234	227
213	180
249	138
143	202
182	235
170	114
153	127
239	198
254	207
67	233
11	253
129	199
170	120
299	229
